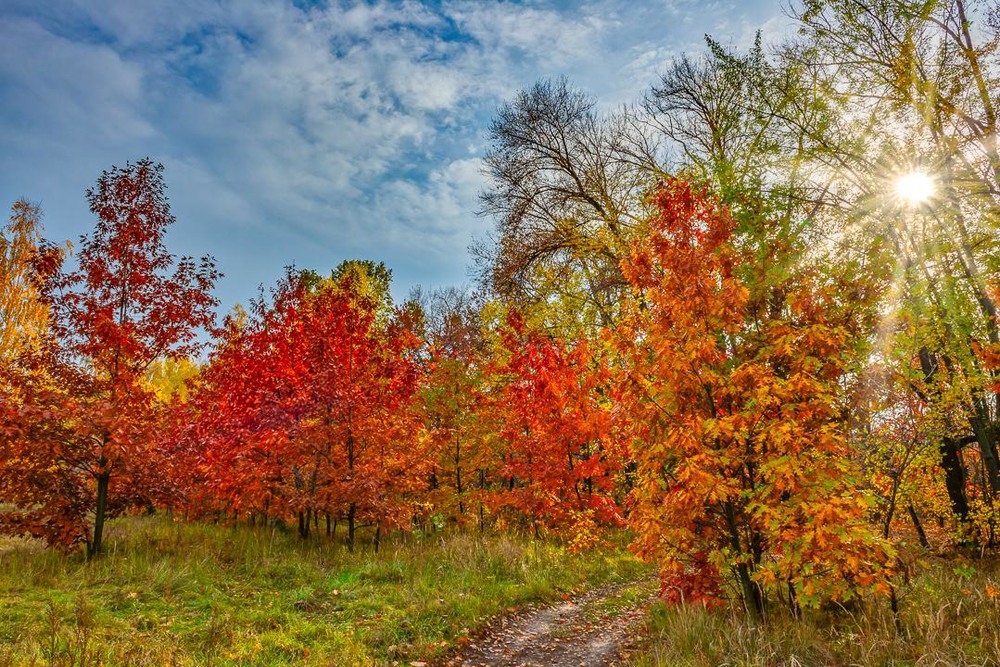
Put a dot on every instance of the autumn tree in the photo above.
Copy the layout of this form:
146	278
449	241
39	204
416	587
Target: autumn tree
81	444
739	433
305	409
25	261
562	200
896	435
926	72
560	459
455	407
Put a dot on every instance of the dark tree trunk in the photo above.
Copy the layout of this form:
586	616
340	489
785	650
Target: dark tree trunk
751	593
100	514
350	526
954	477
917	526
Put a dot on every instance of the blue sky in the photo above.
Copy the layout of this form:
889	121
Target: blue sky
303	132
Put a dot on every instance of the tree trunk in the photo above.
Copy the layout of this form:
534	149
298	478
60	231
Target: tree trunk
458	475
917	526
303	525
350	526
97	543
954	477
751	593
482	509
986	437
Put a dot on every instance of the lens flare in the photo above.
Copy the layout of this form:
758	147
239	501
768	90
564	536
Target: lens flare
915	188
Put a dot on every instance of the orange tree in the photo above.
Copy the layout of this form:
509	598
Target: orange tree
734	376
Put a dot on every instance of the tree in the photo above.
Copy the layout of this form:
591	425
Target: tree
305	408
128	304
927	72
455	406
897	434
560	459
25	262
560	196
739	437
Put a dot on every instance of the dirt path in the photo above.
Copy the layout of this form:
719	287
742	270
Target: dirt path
586	631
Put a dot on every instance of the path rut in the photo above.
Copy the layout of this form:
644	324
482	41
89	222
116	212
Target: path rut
590	630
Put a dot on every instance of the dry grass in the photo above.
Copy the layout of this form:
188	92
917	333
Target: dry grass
949	615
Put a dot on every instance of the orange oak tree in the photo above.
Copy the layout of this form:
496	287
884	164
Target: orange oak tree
743	473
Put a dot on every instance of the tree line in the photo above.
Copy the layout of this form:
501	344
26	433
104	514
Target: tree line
710	316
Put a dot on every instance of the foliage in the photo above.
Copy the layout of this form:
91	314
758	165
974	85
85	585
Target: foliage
560	459
324	425
79	413
455	407
742	465
25	262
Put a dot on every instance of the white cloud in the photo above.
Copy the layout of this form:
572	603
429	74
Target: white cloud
348	129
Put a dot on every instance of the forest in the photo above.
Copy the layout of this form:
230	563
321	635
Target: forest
747	324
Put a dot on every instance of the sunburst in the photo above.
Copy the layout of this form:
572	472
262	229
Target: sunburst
915	188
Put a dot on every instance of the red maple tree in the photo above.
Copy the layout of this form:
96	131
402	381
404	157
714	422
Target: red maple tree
79	427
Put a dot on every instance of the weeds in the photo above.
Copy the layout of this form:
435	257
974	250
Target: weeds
949	614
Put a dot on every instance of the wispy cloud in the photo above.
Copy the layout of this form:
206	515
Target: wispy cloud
307	133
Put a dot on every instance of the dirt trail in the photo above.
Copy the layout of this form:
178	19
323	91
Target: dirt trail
586	631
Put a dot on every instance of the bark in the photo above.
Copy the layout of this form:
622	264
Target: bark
100	514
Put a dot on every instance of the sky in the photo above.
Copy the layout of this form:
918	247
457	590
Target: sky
297	132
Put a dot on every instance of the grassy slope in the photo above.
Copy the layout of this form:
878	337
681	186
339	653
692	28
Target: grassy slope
175	593
949	614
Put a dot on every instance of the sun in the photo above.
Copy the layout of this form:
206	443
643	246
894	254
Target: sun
915	188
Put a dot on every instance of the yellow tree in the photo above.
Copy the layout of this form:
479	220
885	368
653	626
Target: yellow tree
23	258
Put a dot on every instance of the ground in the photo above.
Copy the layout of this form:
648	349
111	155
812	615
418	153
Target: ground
591	630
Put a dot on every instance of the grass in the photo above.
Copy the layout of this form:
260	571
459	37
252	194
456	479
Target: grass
618	601
172	593
949	613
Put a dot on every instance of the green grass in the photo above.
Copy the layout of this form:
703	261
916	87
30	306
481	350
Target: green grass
172	593
949	614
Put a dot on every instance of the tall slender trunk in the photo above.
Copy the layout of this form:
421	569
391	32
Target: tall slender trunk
100	513
304	520
458	474
917	526
482	508
751	594
350	526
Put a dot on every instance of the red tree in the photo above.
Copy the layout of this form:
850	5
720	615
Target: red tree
560	459
305	409
80	410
